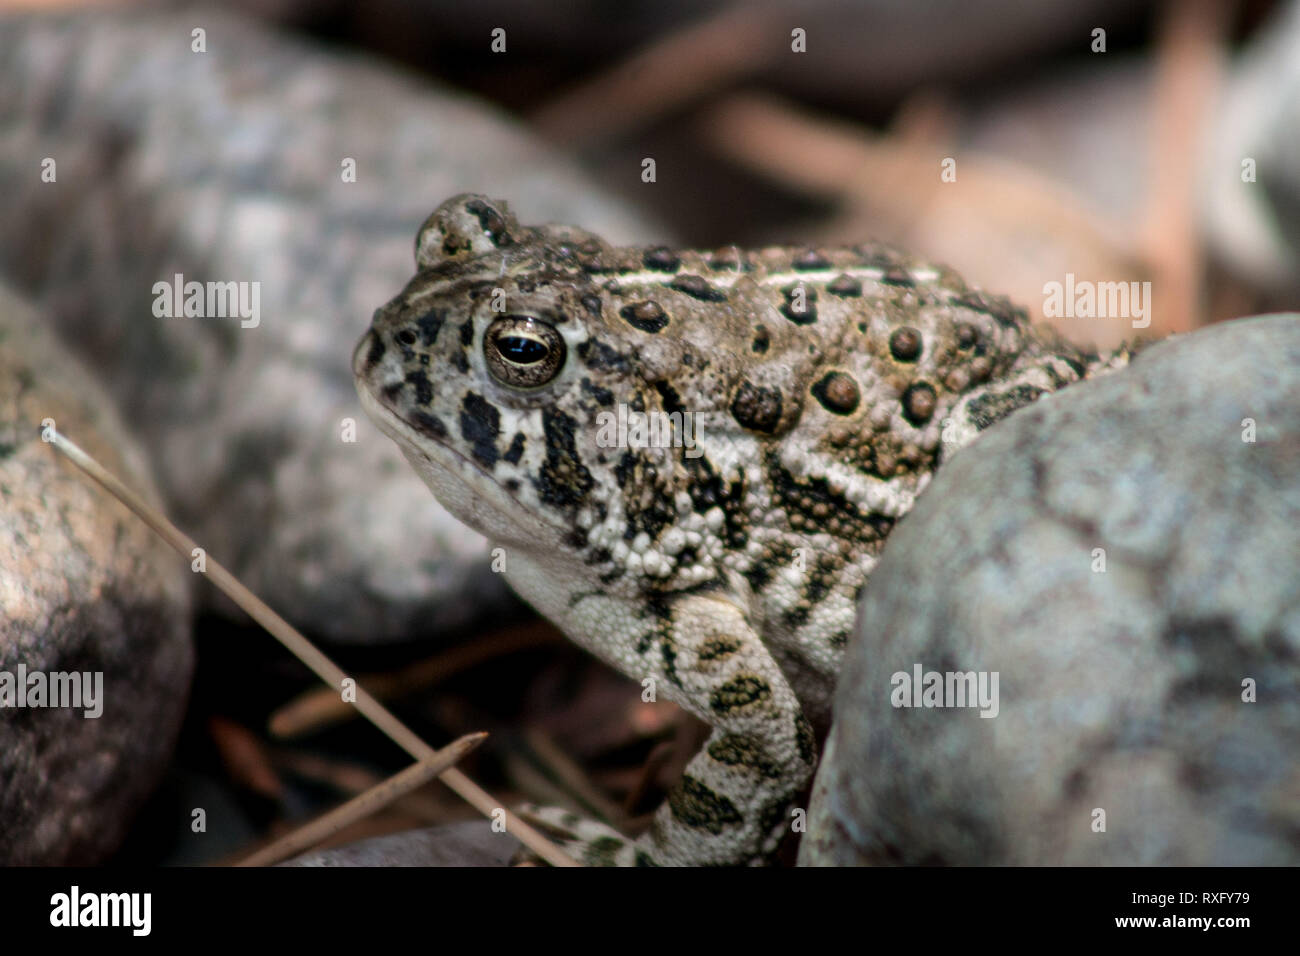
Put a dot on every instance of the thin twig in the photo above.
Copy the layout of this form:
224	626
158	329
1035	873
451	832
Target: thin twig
1190	55
319	708
351	779
414	776
566	770
306	652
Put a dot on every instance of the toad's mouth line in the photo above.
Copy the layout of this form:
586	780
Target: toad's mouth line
413	440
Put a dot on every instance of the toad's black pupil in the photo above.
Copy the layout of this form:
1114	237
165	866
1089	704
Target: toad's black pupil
520	350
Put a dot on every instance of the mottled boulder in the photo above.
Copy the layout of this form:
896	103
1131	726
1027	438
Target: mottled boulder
235	165
85	589
1125	555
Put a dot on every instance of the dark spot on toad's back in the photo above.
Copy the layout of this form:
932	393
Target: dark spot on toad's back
671	400
800	303
600	357
810	259
661	259
697	287
837	392
625	469
845	286
919	400
905	344
729	259
757	407
646	316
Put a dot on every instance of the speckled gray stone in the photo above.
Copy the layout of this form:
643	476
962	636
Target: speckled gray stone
472	843
1251	218
227	165
1120	691
84	587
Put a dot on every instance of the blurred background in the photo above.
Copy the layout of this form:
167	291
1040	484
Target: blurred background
298	144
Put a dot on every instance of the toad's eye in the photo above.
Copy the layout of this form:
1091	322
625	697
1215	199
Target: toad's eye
522	351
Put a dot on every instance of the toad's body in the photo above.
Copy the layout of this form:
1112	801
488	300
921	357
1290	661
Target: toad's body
823	387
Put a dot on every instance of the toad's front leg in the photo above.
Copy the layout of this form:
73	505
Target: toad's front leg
733	803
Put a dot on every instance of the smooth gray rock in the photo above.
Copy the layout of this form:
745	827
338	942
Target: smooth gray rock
85	587
1120	690
1251	218
227	166
457	844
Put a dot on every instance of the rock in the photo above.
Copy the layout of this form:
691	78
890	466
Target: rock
457	844
228	166
85	588
1124	691
1075	127
881	50
1250	178
1050	187
866	51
